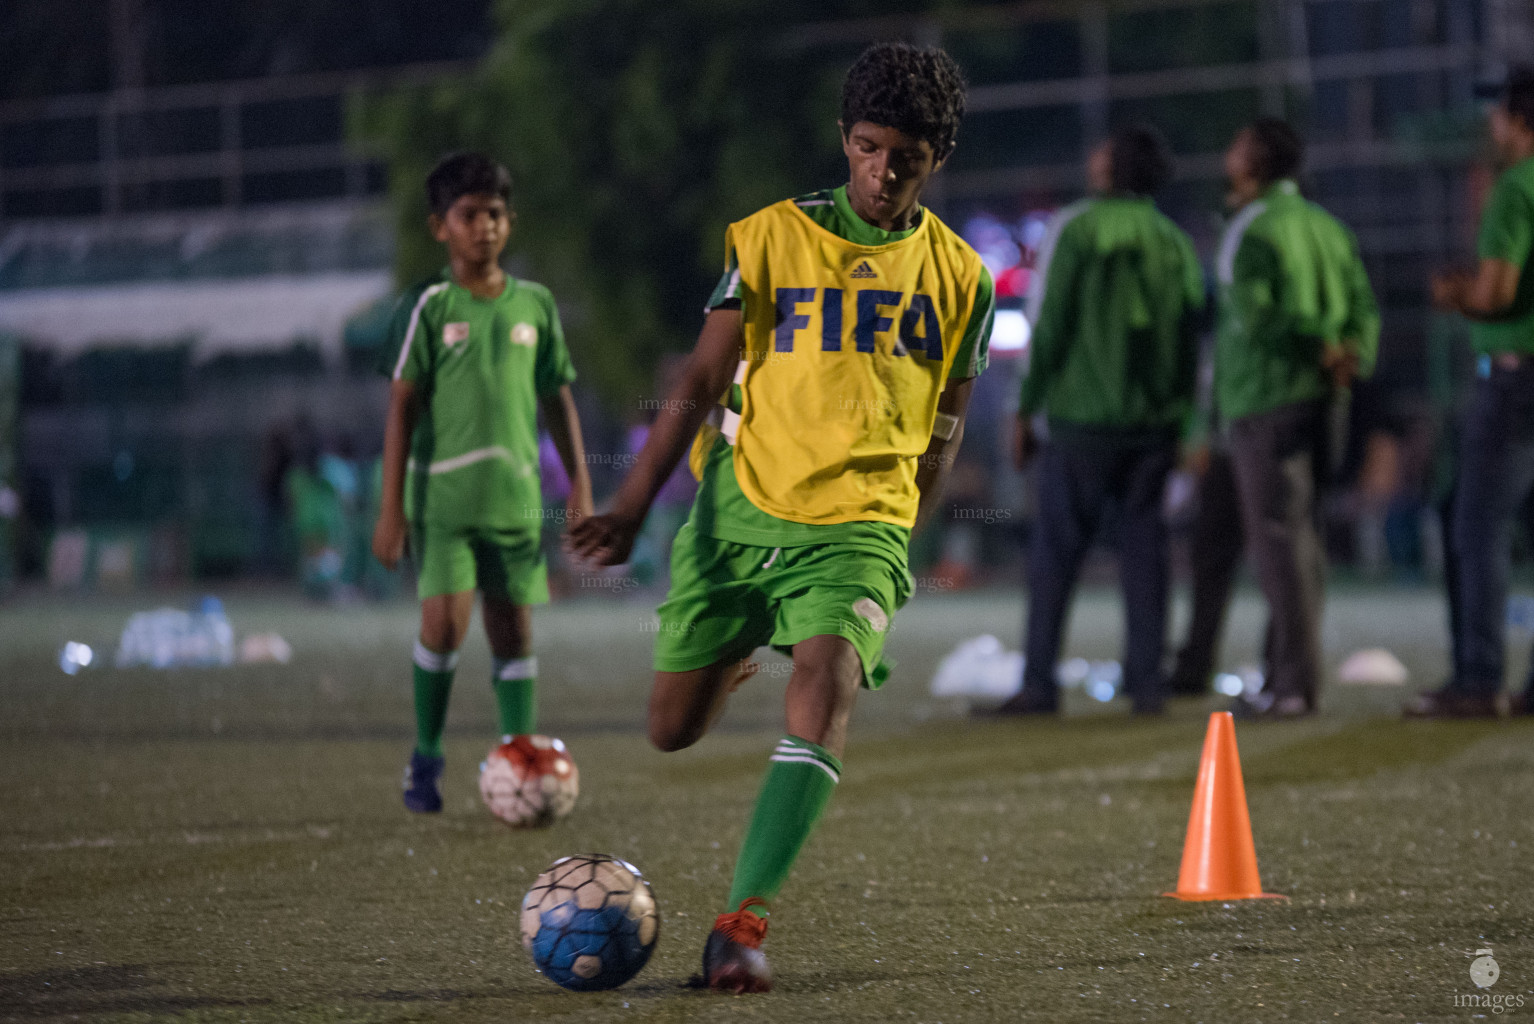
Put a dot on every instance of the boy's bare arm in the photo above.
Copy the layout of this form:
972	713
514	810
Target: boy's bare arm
710	368
399	424
935	463
563	423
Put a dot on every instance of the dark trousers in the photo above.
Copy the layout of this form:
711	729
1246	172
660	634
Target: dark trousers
1080	476
1215	555
1280	457
1496	470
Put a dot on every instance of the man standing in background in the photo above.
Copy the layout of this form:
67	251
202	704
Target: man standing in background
1298	323
1115	303
1496	460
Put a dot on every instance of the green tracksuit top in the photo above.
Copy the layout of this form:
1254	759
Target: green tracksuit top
1507	233
1290	282
1114	302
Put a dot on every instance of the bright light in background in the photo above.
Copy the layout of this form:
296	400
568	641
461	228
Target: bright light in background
1229	684
75	656
1011	332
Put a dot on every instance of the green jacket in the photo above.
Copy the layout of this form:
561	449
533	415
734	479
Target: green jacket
1507	233
1114	302
1290	282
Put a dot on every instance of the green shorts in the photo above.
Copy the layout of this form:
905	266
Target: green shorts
508	564
728	599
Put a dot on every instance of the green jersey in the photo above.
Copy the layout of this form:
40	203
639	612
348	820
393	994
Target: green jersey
1507	233
1114	301
721	510
1290	282
479	366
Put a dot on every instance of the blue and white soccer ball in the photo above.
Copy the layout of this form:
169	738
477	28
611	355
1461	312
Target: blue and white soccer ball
590	922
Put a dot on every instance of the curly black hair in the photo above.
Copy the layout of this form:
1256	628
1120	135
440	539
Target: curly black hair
1142	162
465	174
916	91
1280	153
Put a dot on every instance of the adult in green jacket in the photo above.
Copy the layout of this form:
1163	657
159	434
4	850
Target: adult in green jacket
1297	324
1496	459
1115	301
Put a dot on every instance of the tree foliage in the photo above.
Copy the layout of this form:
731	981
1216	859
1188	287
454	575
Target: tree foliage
635	132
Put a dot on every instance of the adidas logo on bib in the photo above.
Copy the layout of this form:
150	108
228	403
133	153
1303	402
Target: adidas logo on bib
863	271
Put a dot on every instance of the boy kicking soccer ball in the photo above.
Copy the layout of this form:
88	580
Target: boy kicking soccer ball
852	323
476	354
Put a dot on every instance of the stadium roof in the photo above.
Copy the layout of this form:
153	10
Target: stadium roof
240	315
223	281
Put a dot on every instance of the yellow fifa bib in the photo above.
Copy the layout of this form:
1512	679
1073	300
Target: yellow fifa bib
847	348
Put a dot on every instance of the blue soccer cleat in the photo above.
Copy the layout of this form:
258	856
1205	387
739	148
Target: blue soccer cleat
421	775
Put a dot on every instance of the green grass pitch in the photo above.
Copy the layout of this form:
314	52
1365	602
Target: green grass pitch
229	845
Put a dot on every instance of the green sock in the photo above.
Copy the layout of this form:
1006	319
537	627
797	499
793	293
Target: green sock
433	685
516	694
797	788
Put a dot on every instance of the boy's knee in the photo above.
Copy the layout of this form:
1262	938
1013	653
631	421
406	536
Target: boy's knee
669	735
441	637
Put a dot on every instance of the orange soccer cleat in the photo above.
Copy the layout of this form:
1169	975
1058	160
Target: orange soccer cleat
732	957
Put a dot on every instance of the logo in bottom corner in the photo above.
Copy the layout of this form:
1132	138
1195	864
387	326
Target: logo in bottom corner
1484	970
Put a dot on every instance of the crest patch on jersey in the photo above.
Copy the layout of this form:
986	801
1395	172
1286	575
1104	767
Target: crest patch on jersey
452	334
524	334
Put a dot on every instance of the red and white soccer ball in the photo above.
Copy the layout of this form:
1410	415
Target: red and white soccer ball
529	782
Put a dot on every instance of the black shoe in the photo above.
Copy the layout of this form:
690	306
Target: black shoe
1185	681
1520	704
421	775
1449	703
1023	703
1267	707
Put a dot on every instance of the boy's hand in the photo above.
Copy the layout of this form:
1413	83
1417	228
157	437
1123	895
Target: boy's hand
1341	363
1196	459
1025	443
1449	287
603	540
389	540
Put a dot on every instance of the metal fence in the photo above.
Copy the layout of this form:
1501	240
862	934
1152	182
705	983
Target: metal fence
182	147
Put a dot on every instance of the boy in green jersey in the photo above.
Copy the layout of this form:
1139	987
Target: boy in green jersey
852	323
477	354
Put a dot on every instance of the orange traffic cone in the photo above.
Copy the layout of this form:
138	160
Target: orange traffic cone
1219	861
